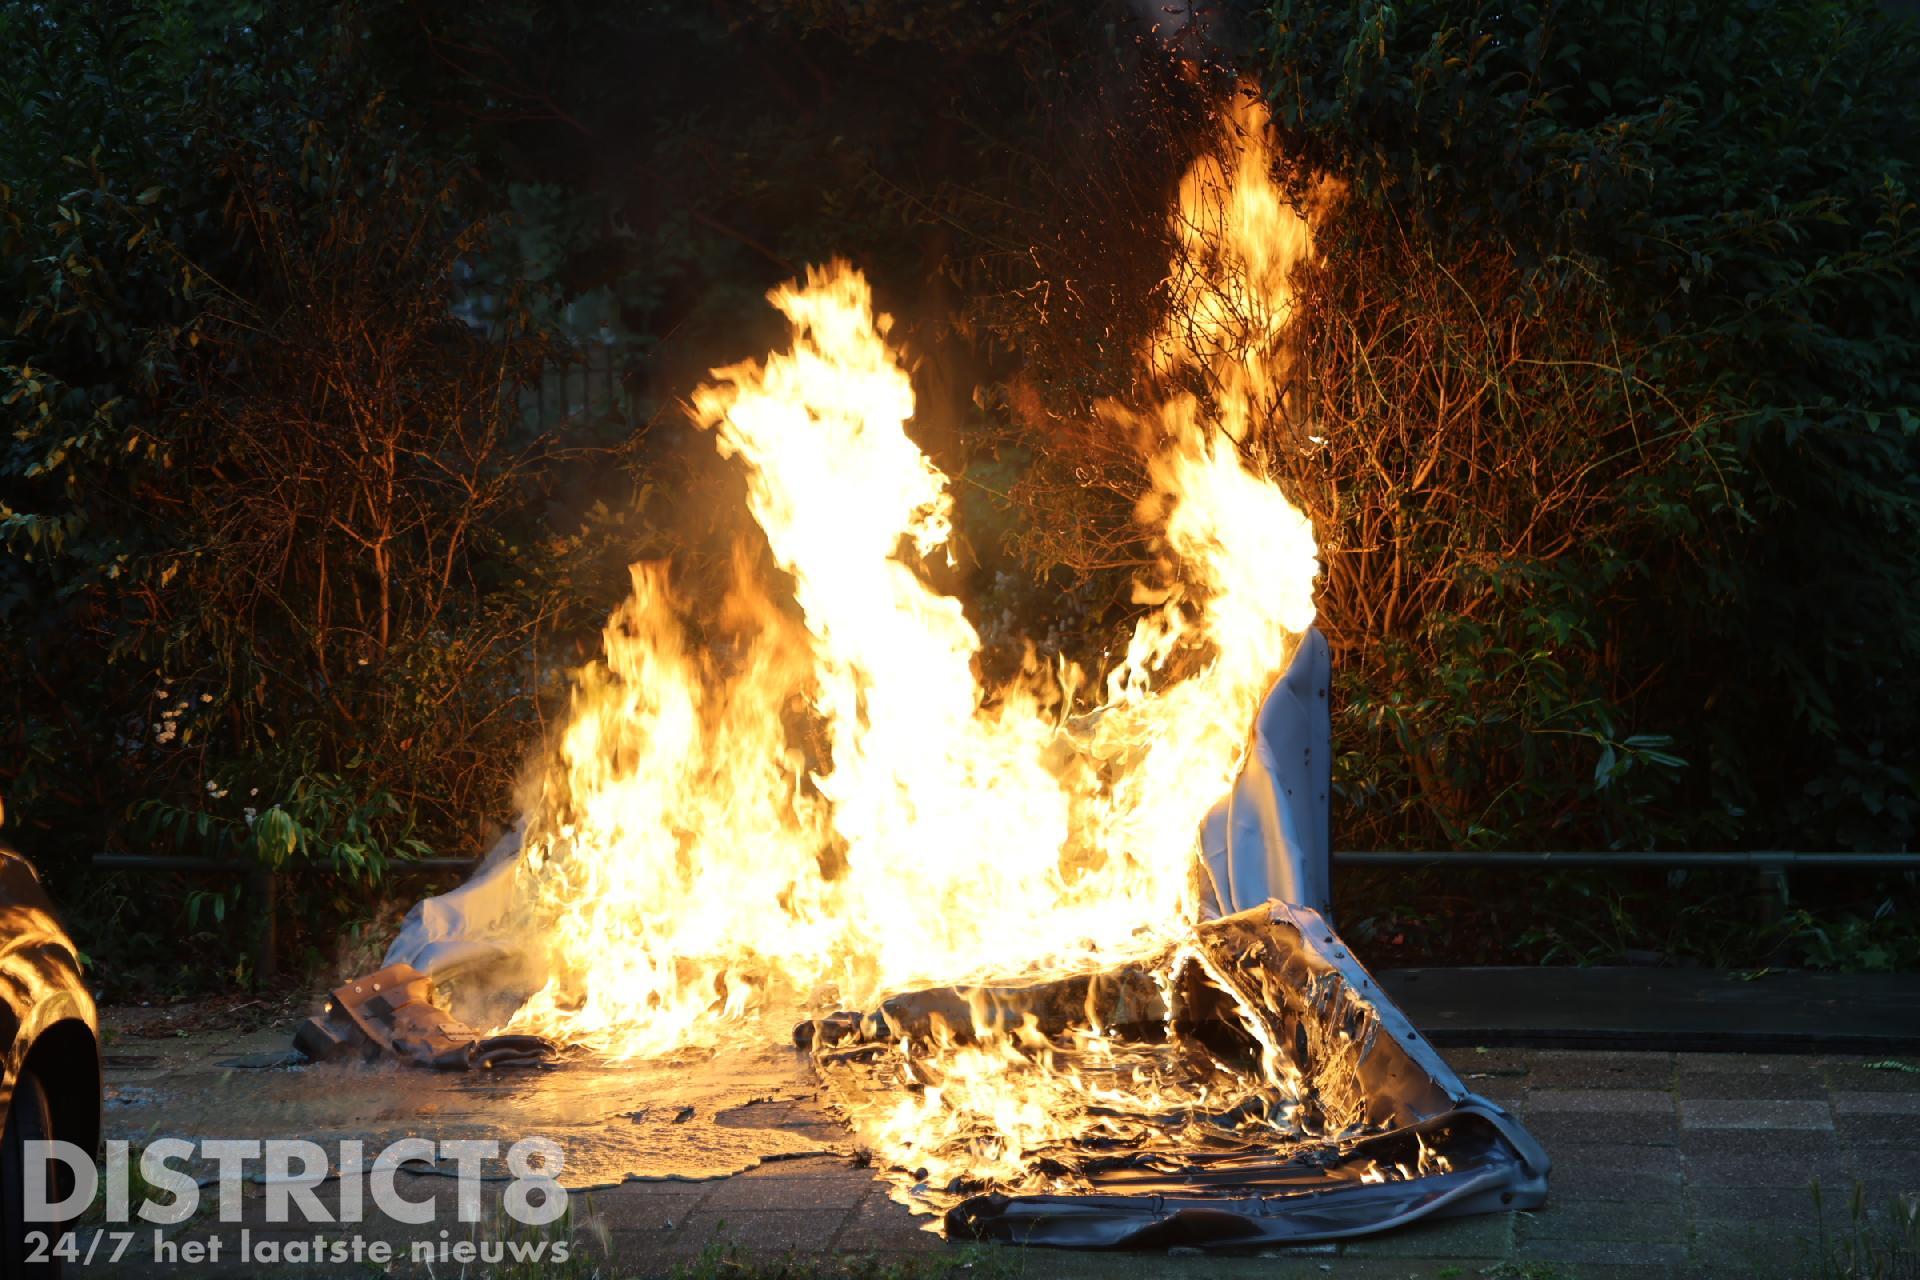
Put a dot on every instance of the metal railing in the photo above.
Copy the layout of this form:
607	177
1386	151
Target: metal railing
1762	859
168	862
1584	860
1772	865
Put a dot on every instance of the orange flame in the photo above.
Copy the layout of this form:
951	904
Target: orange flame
812	813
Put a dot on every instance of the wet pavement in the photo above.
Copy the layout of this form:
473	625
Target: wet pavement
697	1118
1665	1164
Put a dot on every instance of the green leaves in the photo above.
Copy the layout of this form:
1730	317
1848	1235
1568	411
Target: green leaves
276	836
1618	759
199	218
1737	183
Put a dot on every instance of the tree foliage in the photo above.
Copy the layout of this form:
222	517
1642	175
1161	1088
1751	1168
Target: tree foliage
1605	409
280	553
1735	181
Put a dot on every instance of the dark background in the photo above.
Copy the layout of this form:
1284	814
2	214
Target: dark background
344	346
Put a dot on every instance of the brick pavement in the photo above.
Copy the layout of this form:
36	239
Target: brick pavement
1665	1165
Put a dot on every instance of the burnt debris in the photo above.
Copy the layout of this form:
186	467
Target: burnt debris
392	1013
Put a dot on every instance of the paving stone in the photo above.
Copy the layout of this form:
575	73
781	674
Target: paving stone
1655	1222
827	1166
1499	1062
1592	1254
1509	1091
1783	1167
764	1231
1622	1101
1013	1260
1896	1166
1647	1130
1642	1060
1485	1236
1787	1205
1755	1113
642	1254
1877	1194
760	1114
1685	1201
1538	1270
1876	1104
1807	1084
1052	1264
1855	1075
592	1238
1881	1211
1769	1248
1572	1183
878	1224
888	1241
1575	1069
1612	1157
1746	1064
1878	1131
1797	1170
1759	1144
1787	1266
644	1206
1324	1249
744	1193
1369	1269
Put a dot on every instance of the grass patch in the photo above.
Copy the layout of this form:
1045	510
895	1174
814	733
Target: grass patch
1863	1245
1522	1271
727	1260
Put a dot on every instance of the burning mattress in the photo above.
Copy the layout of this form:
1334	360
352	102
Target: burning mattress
1248	1085
1252	1087
761	809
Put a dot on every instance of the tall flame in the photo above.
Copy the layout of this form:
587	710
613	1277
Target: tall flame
819	811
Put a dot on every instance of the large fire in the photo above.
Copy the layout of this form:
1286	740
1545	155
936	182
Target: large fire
797	813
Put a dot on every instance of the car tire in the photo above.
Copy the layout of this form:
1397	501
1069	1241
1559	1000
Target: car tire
29	1118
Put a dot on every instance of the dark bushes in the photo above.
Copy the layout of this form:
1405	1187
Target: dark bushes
1731	184
280	565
